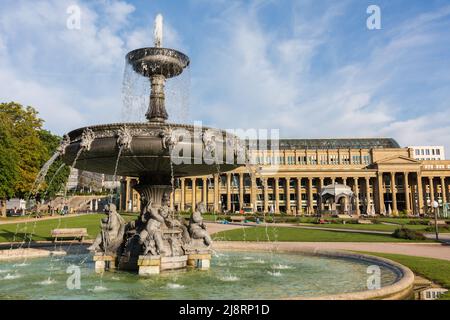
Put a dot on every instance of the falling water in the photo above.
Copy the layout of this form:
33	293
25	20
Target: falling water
52	259
136	96
42	173
119	153
36	185
53	177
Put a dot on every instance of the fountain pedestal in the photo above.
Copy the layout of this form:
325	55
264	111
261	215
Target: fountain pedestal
149	265
201	261
105	262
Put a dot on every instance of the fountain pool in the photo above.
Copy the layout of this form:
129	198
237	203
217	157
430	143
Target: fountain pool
234	275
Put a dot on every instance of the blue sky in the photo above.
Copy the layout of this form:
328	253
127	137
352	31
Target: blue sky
310	68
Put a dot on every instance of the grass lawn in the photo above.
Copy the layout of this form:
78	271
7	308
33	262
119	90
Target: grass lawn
43	228
372	227
302	235
433	269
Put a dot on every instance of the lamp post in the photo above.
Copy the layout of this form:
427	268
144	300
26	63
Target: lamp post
436	206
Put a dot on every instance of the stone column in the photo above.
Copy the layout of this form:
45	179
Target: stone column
228	191
394	194
333	180
320	191
407	197
241	191
299	195
216	192
205	192
444	190
253	192
310	195
194	195
430	179
367	193
266	194
277	195
123	189
380	192
420	193
182	196
127	194
172	199
344	180
288	195
356	190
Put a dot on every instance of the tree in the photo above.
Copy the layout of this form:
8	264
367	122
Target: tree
8	162
30	149
32	146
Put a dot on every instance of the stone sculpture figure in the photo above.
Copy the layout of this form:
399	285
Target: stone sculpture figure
180	237
170	222
197	228
110	238
151	237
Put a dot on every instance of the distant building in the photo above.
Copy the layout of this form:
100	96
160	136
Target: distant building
428	152
384	178
90	181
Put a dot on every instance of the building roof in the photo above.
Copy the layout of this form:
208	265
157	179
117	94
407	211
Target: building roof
347	143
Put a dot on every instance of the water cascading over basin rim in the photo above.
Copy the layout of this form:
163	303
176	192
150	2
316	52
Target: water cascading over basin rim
147	153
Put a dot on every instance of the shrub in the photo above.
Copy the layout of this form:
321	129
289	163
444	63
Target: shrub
405	233
440	228
418	222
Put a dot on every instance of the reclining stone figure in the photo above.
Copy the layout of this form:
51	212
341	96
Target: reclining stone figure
110	238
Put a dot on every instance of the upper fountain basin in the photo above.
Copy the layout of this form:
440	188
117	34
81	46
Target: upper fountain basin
158	61
148	150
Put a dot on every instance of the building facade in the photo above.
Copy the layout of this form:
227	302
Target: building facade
90	181
428	152
383	176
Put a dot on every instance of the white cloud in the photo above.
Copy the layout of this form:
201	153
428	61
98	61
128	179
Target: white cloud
71	76
261	77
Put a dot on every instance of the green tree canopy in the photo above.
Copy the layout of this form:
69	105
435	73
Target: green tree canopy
30	146
9	170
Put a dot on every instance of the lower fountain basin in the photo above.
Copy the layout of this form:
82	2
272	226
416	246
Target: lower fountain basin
233	275
148	153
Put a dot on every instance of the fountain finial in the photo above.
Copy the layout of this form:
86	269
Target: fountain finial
158	31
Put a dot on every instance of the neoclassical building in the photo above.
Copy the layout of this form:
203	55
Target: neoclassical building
383	176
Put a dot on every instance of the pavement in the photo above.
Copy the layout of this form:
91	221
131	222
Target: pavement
428	250
443	237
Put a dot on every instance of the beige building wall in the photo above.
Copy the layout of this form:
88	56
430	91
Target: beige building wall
385	179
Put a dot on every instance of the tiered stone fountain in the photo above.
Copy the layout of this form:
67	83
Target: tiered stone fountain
156	152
